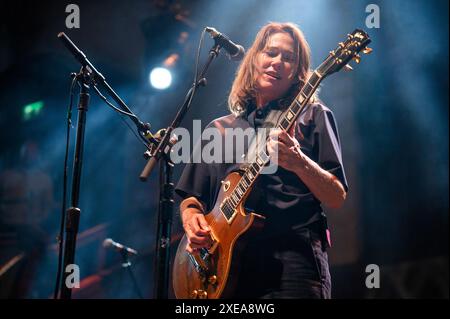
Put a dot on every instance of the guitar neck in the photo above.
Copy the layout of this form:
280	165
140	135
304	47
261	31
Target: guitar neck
300	101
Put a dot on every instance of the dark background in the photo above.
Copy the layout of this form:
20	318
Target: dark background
392	113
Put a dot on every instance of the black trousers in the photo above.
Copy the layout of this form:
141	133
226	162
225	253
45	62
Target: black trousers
291	265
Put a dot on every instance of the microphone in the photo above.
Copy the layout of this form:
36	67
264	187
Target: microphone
236	52
108	242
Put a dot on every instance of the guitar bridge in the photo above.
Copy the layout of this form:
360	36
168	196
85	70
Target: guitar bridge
199	265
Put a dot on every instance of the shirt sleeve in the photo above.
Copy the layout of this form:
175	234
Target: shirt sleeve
328	145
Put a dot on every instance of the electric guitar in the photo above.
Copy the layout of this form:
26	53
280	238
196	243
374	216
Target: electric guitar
212	273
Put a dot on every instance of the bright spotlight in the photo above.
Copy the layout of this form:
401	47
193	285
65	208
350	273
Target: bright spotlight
160	78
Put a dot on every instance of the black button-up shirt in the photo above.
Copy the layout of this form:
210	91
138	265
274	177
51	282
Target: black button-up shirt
282	197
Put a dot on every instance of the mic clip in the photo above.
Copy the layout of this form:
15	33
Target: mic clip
155	139
234	51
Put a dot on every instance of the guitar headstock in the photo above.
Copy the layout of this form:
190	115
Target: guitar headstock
356	42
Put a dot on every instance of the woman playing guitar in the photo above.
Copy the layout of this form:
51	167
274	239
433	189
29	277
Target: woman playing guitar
287	258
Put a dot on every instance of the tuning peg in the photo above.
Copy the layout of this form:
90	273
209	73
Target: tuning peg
341	44
357	58
367	50
348	68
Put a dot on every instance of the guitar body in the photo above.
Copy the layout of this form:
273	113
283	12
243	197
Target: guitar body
212	273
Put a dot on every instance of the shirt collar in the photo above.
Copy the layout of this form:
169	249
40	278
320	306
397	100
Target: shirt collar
256	116
251	107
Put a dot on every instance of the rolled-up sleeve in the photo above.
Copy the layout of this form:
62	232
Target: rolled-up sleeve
328	145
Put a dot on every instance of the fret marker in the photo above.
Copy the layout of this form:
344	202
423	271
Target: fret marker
290	115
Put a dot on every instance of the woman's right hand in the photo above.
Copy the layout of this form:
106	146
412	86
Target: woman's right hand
196	228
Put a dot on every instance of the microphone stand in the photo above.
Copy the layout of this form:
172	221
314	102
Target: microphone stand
126	264
88	76
73	212
162	152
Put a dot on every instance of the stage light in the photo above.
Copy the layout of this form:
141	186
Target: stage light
31	110
160	78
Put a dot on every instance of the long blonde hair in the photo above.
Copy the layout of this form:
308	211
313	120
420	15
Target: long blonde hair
243	89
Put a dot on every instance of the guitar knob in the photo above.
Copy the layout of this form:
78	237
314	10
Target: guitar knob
212	279
202	294
194	294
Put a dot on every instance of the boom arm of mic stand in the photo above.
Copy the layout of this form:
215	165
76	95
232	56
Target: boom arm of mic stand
98	78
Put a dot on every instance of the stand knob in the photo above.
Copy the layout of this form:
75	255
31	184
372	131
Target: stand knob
202	294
